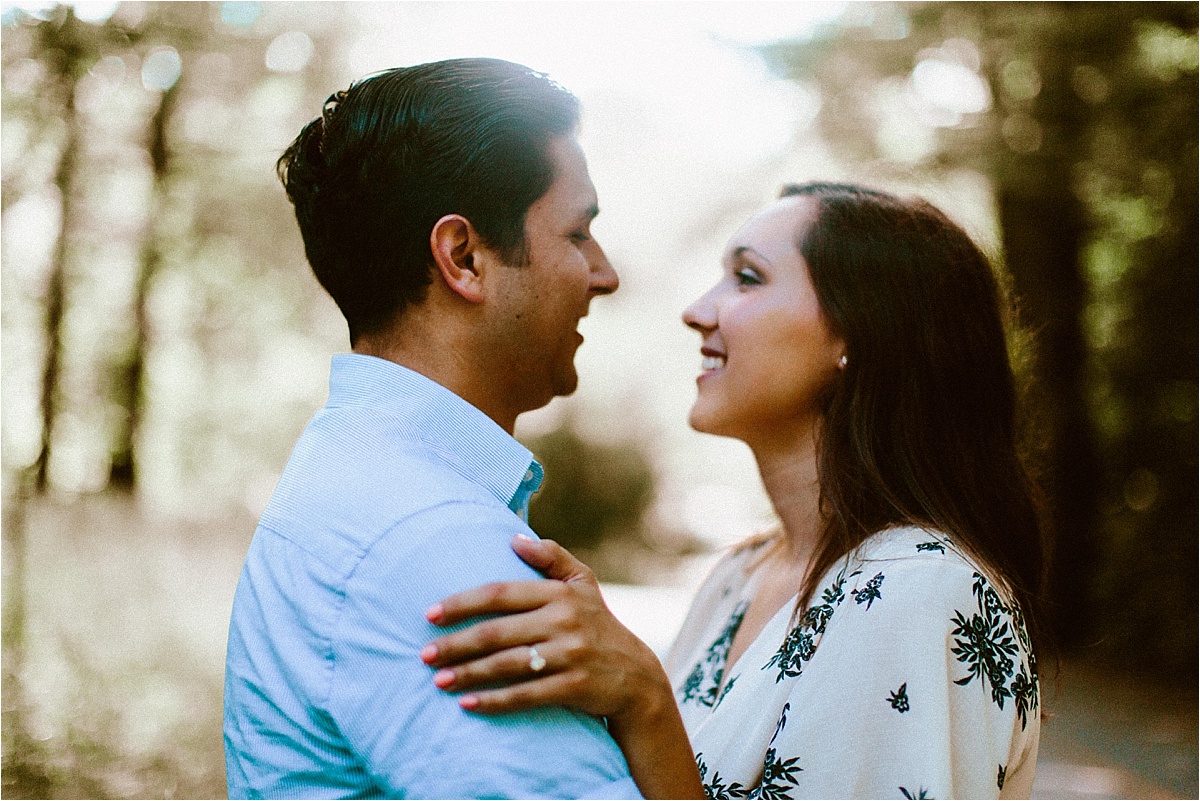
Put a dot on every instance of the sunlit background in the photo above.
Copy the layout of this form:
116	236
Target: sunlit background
164	342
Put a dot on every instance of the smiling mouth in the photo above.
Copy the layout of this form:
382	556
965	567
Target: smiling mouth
709	363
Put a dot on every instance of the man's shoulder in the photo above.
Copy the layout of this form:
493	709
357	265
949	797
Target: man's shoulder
354	476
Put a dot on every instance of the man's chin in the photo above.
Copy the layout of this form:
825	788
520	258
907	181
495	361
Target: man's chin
562	386
566	385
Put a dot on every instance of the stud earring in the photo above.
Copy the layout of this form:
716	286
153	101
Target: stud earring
842	362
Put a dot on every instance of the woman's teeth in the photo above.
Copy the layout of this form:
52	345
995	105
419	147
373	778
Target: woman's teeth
712	363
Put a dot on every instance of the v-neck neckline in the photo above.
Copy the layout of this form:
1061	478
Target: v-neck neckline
745	599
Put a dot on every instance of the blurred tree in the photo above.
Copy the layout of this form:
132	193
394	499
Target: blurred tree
168	241
130	372
1140	181
214	88
67	48
594	502
1083	117
70	47
169	30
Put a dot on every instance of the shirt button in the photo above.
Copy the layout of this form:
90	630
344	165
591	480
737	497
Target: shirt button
529	475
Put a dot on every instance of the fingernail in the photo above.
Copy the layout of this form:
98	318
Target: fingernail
443	678
469	701
434	613
429	653
524	537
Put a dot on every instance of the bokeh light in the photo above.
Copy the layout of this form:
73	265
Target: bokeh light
161	69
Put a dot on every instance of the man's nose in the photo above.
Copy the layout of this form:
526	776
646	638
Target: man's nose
604	278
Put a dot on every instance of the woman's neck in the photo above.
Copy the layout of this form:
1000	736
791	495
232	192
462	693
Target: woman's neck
789	474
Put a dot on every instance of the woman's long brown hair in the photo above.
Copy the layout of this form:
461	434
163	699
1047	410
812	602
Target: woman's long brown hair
921	428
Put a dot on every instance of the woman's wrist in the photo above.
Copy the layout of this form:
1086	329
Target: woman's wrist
650	732
649	697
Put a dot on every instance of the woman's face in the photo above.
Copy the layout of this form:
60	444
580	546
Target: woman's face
768	353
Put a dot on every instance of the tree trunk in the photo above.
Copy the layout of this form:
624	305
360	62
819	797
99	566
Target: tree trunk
56	289
24	771
130	375
1042	237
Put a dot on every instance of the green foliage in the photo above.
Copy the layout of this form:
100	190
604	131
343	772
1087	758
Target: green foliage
594	502
1138	180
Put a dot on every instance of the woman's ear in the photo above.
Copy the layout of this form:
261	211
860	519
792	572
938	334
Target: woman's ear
456	247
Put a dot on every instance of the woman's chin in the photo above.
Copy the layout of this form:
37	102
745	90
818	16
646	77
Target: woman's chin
704	422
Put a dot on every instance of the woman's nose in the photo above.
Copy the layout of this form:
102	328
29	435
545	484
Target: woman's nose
701	314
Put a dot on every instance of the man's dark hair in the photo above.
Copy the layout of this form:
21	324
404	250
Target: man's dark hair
400	149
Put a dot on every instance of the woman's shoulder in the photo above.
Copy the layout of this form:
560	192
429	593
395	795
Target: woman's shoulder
908	542
758	543
923	564
910	583
917	548
737	561
731	570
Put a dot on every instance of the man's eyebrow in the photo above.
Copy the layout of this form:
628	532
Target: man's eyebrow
590	213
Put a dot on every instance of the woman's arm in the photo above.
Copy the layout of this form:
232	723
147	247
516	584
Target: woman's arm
592	663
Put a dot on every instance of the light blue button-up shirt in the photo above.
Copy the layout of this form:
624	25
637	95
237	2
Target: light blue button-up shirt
397	494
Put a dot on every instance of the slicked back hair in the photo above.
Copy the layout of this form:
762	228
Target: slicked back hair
402	148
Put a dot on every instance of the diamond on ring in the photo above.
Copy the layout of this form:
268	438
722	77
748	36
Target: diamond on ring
536	660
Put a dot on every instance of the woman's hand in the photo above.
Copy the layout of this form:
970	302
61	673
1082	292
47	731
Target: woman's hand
592	662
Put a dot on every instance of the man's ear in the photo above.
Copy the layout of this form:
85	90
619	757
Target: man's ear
456	249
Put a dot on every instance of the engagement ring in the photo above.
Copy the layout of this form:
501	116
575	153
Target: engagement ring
536	660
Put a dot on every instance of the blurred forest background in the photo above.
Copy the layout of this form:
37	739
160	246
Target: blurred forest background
163	343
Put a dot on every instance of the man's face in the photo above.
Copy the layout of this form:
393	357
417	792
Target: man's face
541	302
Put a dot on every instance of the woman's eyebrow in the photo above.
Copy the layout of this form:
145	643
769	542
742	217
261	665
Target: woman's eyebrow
742	250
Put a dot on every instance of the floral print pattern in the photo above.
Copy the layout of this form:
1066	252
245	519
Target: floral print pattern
898	595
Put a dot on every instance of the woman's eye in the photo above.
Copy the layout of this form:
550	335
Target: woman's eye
747	277
580	236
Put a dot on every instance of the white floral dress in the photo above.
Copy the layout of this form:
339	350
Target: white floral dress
909	676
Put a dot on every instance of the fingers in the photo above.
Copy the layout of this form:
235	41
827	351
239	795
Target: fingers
509	665
551	559
484	639
553	690
504	597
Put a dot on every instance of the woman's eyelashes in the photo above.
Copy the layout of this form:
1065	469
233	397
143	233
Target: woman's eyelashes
581	236
747	276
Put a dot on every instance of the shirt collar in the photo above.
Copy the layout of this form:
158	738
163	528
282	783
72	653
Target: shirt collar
459	433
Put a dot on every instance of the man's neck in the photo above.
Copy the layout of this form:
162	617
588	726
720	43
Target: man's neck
442	359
